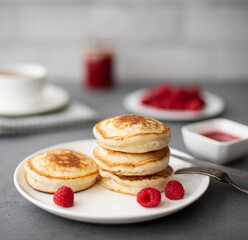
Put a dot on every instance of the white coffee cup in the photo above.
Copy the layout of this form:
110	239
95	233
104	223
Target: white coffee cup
21	84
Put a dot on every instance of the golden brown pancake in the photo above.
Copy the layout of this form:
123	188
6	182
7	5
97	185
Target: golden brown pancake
132	133
50	170
132	164
134	184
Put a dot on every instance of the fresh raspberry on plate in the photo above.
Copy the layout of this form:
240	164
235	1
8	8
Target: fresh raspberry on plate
194	105
166	96
149	197
64	197
174	190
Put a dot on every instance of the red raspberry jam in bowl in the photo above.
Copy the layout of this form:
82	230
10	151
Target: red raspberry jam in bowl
219	140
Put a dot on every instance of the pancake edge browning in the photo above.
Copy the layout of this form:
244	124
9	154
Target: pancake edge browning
133	184
133	143
102	133
136	164
47	183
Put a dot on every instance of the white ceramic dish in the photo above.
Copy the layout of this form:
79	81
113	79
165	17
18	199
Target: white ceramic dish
53	98
220	152
214	106
99	205
21	84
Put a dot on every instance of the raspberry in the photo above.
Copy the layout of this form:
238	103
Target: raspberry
165	96
149	197
64	197
194	105
174	190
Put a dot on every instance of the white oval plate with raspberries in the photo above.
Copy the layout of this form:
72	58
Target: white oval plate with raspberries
99	205
214	106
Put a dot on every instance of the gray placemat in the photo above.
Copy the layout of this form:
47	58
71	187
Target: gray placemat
74	114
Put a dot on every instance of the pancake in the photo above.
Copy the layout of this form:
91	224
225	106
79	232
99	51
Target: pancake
132	134
131	164
50	170
134	184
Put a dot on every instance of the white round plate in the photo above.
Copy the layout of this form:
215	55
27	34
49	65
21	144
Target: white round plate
54	97
214	106
99	205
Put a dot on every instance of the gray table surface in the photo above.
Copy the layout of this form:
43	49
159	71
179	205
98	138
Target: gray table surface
221	213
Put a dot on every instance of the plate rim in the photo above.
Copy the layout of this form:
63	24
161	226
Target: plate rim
188	117
104	219
39	107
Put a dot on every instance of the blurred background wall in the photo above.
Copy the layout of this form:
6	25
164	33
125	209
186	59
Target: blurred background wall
183	40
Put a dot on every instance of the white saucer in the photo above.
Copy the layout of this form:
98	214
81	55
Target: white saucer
54	97
99	205
214	106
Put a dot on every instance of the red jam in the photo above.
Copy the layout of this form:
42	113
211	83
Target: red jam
219	136
99	69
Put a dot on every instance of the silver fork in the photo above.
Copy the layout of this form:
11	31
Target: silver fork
211	172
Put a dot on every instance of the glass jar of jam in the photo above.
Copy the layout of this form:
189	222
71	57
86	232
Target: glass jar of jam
98	65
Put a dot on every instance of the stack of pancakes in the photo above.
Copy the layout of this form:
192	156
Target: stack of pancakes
133	153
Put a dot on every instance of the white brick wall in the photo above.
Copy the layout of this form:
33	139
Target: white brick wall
53	24
231	63
217	25
71	23
65	62
8	26
159	63
154	39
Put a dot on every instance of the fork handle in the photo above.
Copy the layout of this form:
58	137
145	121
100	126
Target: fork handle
215	173
228	180
211	172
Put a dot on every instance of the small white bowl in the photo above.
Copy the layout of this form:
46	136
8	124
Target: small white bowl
21	84
216	151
